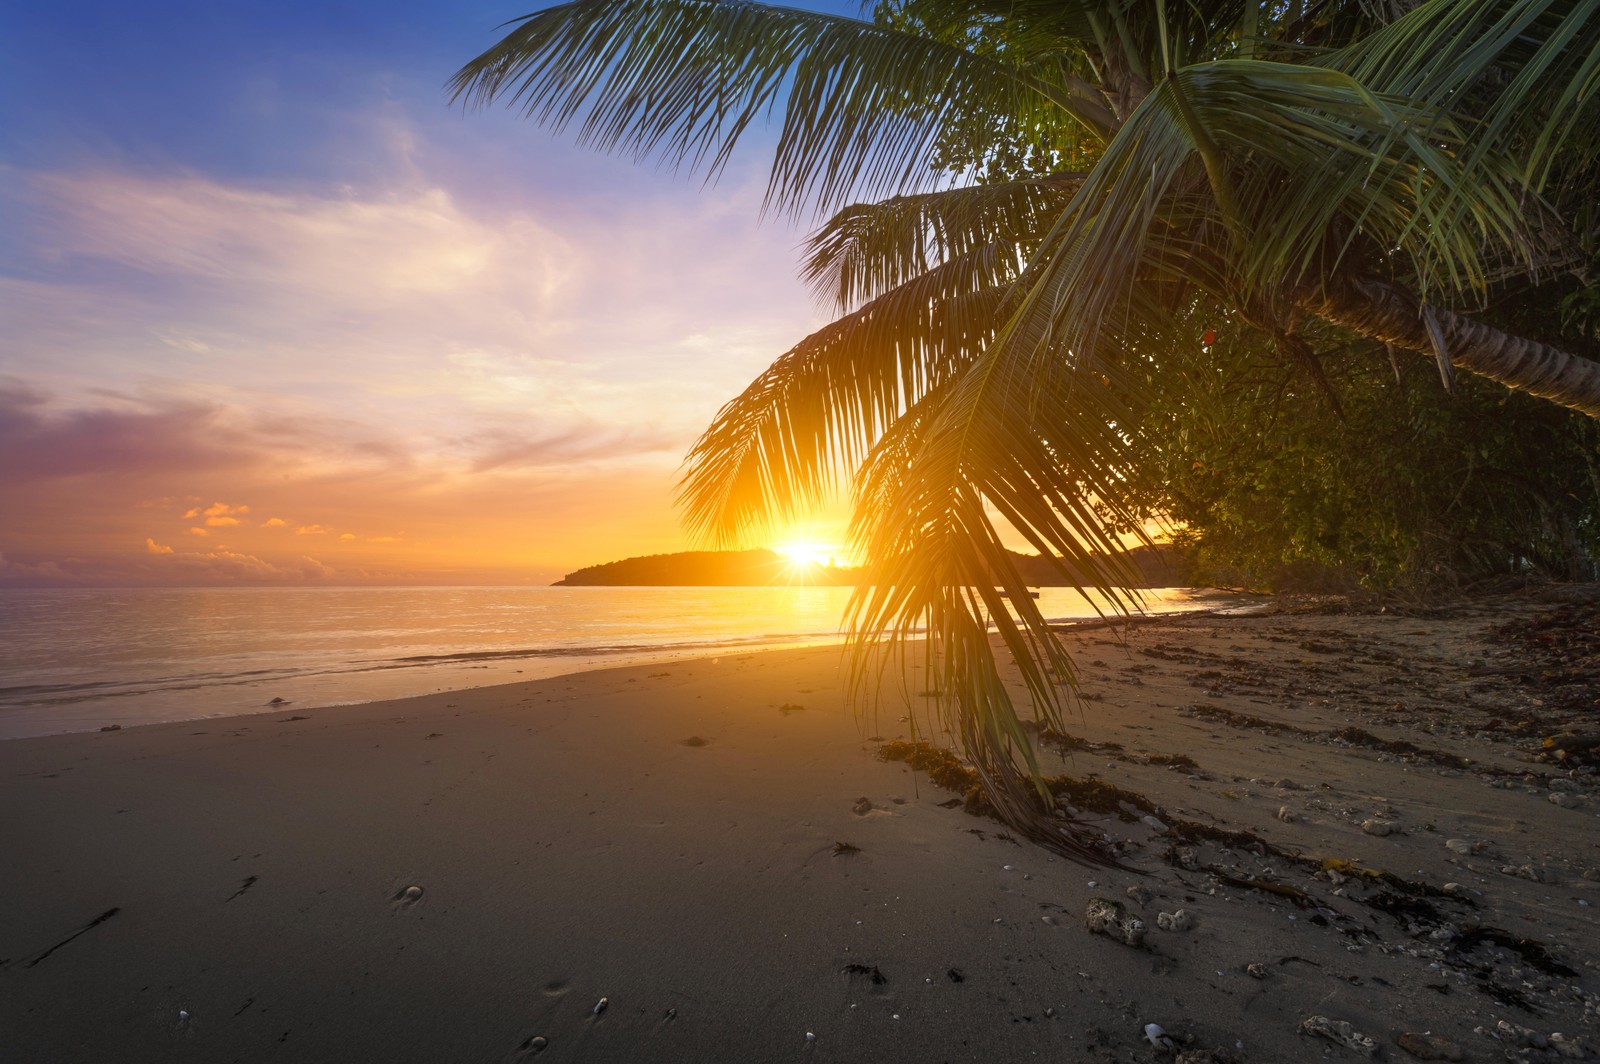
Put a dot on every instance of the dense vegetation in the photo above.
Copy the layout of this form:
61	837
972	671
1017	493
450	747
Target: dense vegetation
1369	476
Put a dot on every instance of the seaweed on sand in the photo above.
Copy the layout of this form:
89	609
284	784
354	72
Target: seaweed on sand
1360	737
944	769
941	766
1350	736
1097	796
869	970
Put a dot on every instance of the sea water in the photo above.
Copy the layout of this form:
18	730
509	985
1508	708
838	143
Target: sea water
82	659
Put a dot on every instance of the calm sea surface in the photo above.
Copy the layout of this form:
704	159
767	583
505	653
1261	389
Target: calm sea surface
75	660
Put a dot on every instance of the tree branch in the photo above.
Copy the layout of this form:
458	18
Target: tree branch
1389	313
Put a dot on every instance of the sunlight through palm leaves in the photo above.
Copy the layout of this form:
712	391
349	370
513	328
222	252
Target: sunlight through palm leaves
1002	332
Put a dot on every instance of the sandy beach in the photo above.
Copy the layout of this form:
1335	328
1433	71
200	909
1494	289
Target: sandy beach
1355	812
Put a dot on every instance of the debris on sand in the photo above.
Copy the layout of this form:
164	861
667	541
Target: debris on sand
1182	920
1428	1046
1110	918
869	970
1340	1033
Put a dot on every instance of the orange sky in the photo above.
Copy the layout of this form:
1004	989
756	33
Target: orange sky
271	310
214	382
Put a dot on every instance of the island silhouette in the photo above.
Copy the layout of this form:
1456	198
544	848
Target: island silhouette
1153	566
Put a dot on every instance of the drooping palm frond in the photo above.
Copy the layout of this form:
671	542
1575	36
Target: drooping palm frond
1535	62
868	249
988	447
781	444
1412	195
683	81
1272	229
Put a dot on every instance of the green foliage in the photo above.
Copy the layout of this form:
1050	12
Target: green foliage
995	148
1411	488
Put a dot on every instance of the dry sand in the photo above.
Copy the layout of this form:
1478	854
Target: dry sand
448	878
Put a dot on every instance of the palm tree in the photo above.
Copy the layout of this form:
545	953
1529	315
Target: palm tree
1127	171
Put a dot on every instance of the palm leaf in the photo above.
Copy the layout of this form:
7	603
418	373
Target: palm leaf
1537	62
682	81
778	447
868	249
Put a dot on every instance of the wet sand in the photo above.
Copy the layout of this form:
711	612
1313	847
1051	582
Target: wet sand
1357	813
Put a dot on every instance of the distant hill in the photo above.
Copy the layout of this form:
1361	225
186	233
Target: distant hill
706	568
762	568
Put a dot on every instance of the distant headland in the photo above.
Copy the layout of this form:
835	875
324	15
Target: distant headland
1153	567
708	568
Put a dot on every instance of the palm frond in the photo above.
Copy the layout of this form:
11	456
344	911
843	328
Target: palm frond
683	80
780	445
1269	228
1535	62
1413	195
868	249
928	501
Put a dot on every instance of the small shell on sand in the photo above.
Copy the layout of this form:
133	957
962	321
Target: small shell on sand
600	1006
1379	827
406	897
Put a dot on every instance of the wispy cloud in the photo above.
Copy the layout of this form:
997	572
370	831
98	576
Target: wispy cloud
503	377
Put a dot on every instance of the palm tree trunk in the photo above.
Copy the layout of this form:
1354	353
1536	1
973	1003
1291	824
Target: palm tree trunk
1387	312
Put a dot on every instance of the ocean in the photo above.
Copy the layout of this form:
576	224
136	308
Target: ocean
82	659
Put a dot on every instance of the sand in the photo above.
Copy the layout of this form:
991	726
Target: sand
449	878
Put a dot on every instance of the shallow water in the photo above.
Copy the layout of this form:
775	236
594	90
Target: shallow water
79	659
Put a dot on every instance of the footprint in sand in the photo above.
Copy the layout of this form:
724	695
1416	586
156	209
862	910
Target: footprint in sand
555	988
406	897
695	740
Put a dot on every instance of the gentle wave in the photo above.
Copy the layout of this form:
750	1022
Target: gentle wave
81	659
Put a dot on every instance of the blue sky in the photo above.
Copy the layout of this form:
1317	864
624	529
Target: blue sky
272	310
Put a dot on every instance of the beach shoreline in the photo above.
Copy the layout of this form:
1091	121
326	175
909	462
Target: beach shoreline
713	847
234	653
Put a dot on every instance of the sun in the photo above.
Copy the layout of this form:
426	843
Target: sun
807	554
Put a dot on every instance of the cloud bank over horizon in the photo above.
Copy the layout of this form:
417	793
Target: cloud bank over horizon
432	377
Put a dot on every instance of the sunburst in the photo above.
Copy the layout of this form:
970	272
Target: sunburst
805	555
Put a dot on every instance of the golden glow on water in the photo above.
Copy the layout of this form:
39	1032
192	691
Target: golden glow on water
79	659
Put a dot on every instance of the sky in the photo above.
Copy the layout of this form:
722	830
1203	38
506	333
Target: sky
272	311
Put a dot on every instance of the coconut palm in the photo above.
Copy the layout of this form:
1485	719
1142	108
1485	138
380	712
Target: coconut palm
1126	171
